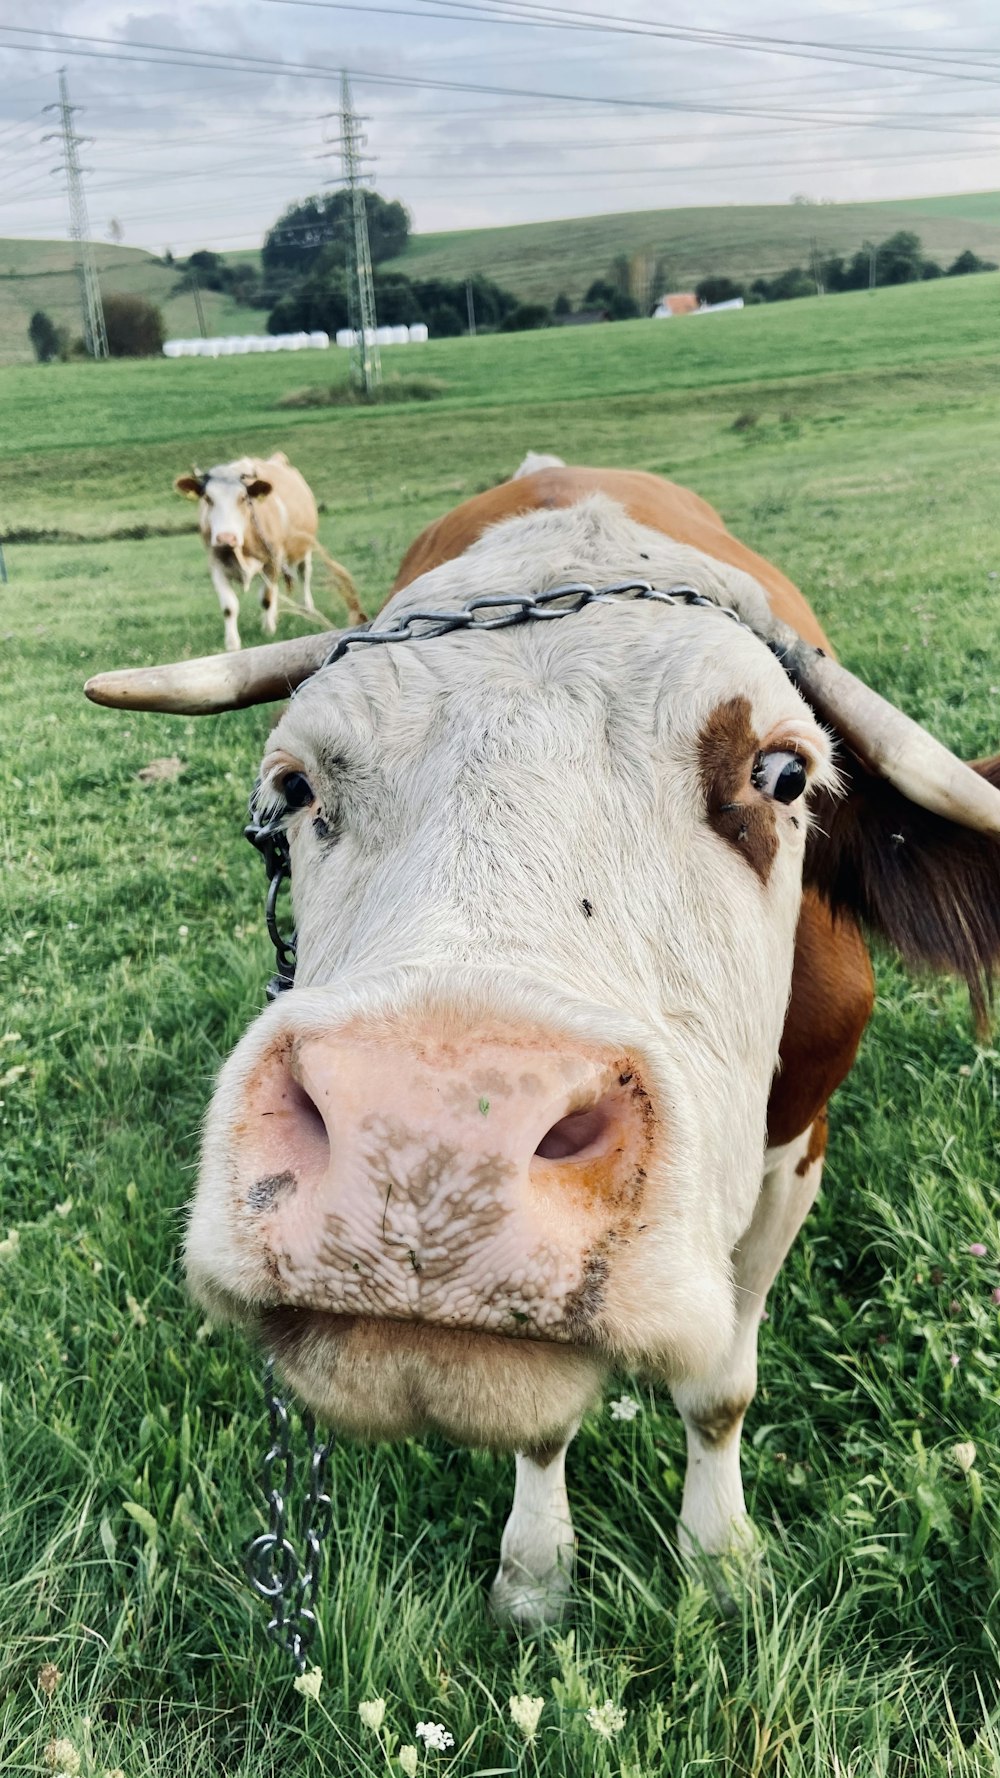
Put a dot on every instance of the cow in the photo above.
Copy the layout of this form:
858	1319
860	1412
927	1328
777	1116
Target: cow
257	515
580	963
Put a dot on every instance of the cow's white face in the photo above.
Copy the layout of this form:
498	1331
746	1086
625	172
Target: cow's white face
509	1125
226	514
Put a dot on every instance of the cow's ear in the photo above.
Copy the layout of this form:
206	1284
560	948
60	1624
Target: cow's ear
257	487
191	485
926	885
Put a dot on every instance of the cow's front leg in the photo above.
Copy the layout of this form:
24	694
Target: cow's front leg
713	1512
230	603
537	1549
269	598
306	569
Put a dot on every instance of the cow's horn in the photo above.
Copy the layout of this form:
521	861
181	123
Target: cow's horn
216	681
893	745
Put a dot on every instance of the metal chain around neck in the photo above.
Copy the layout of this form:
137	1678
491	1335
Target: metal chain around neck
276	1570
273	1565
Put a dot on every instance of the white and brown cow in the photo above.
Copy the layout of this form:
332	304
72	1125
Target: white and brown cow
257	515
579	967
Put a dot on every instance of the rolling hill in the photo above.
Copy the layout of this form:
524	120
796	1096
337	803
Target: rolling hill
536	260
41	275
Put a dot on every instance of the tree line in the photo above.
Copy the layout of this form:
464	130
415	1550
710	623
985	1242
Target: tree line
900	259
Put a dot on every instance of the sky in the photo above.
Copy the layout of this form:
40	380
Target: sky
204	121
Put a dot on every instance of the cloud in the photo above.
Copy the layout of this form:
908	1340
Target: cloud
191	153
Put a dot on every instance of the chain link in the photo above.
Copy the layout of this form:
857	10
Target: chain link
273	1565
519	608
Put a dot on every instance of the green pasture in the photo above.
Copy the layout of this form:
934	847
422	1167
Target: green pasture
856	442
538	259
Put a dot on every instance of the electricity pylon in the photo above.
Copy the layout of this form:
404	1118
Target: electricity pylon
94	331
367	363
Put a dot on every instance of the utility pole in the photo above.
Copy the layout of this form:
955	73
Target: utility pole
360	288
94	331
196	293
470	304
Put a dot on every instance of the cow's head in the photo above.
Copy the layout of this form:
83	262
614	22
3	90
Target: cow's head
225	494
508	1127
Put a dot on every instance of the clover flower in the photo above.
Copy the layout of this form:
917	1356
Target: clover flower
524	1712
309	1683
408	1757
62	1758
977	1249
625	1408
434	1734
607	1719
47	1678
954	1360
372	1714
964	1455
9	1247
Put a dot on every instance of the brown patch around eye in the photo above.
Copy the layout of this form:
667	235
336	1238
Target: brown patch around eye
727	748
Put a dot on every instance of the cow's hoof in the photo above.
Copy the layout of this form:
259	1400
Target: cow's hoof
233	645
531	1604
269	622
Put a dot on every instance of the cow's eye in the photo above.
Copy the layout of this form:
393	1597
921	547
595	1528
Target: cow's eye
781	775
297	791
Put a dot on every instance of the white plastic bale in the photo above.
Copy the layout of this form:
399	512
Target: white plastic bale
319	340
345	337
418	333
400	336
383	336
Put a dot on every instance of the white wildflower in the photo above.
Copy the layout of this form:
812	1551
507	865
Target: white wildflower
434	1734
607	1719
964	1455
136	1311
372	1714
408	1758
62	1758
64	1208
308	1683
524	1712
9	1247
625	1408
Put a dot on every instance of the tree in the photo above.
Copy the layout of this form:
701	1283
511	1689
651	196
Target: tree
900	258
969	262
44	336
134	326
718	290
323	228
116	233
562	304
525	318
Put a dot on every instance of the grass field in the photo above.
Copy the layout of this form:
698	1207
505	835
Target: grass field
865	462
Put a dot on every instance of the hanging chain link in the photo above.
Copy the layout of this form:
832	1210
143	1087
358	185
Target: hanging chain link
275	1569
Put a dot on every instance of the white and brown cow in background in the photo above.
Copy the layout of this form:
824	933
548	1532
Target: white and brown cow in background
579	967
257	515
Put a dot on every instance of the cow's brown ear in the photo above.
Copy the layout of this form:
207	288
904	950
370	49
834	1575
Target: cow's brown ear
257	487
191	485
929	887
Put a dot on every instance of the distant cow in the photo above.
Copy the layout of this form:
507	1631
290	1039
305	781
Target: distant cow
258	516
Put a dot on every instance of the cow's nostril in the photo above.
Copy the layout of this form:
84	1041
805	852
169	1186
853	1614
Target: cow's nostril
307	1124
582	1132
